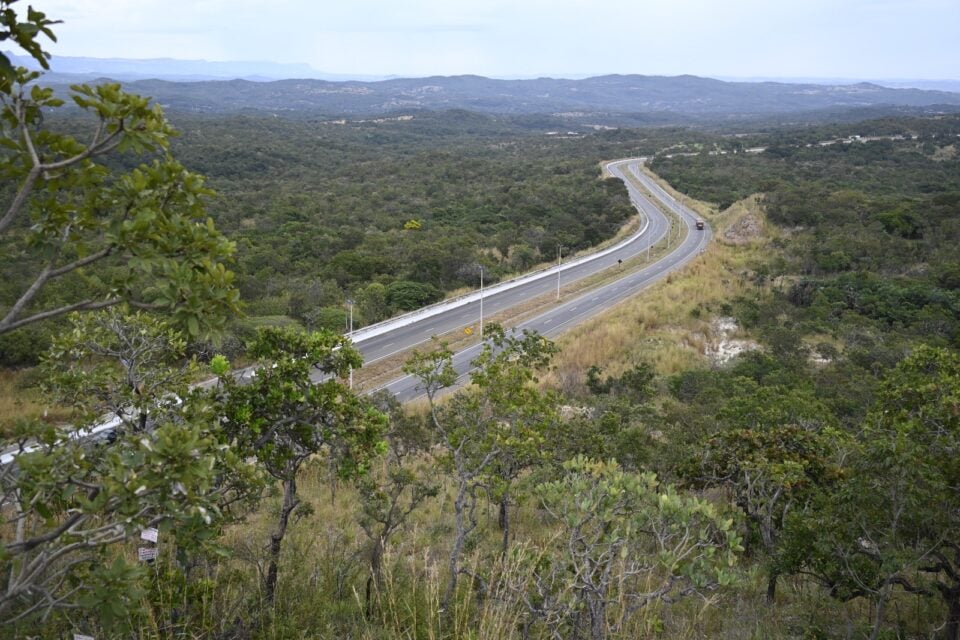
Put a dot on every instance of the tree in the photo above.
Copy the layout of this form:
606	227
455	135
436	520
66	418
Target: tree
492	432
516	415
896	522
24	34
467	448
144	233
626	541
771	472
404	481
69	498
404	295
131	366
282	418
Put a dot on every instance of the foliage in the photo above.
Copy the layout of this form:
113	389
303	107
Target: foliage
283	417
25	35
70	499
625	541
110	362
404	482
894	523
515	415
80	234
771	471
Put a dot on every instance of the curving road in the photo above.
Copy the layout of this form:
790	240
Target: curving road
572	311
401	334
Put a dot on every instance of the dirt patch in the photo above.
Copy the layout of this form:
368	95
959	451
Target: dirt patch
723	347
743	230
945	153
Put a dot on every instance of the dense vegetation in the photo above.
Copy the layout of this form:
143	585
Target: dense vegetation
317	207
390	213
589	100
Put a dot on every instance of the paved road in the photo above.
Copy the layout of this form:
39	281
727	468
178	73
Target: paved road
564	316
581	307
402	338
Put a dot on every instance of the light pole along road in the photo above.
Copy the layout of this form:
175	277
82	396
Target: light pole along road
570	312
403	333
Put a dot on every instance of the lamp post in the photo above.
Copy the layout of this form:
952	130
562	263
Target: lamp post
481	302
559	262
350	333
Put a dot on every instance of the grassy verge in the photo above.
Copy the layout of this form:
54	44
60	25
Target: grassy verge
382	371
18	400
669	324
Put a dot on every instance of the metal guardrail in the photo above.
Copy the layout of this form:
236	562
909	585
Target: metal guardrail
406	319
108	423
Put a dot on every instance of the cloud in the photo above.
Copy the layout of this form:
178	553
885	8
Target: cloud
864	38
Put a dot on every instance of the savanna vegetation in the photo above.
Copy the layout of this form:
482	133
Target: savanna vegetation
616	484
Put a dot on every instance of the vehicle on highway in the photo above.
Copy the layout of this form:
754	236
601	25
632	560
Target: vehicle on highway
699	225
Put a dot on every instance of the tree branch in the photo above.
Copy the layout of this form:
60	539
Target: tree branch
86	305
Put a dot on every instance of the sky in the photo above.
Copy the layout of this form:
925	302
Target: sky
856	39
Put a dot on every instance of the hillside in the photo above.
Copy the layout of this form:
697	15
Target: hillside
611	94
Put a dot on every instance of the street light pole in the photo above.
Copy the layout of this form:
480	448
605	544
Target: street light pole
481	302
350	302
559	262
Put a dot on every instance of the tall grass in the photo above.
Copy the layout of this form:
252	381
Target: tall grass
669	324
19	399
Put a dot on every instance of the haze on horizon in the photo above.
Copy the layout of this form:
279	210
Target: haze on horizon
522	38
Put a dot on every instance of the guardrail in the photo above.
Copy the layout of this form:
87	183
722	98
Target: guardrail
108	424
406	319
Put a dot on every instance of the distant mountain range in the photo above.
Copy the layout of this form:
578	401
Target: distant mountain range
180	70
603	95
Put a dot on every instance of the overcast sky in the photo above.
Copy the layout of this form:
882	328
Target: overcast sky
874	39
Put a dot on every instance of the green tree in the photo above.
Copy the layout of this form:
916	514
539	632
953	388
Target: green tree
69	499
131	366
626	541
143	233
372	303
407	296
771	472
283	418
469	451
516	415
25	35
390	494
491	432
896	522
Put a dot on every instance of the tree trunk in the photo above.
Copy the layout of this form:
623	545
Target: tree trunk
772	587
504	521
881	609
290	502
459	507
598	620
376	571
952	630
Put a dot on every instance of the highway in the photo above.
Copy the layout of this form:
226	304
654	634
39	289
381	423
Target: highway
571	311
406	332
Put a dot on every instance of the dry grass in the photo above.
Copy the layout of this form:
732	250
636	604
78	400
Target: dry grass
18	400
323	574
668	325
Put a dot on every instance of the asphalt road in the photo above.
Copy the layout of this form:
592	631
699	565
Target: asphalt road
574	310
569	313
